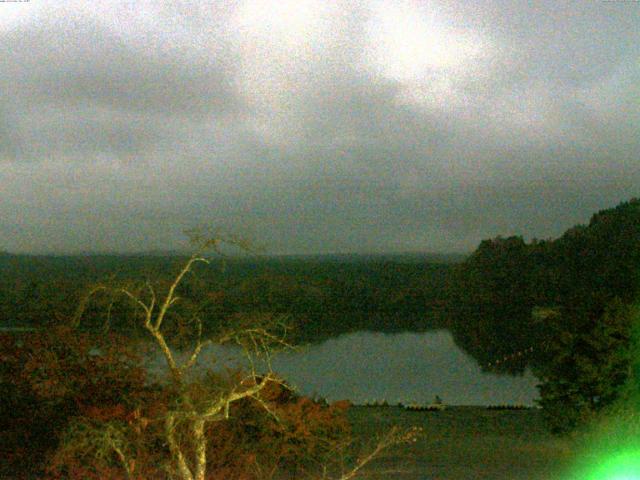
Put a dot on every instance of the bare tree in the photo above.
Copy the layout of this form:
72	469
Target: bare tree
186	422
256	341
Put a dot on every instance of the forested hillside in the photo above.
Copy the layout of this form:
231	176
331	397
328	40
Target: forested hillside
563	307
502	297
320	296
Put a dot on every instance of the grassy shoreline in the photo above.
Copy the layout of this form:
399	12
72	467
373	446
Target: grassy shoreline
466	442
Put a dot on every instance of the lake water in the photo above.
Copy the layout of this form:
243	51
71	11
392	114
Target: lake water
402	367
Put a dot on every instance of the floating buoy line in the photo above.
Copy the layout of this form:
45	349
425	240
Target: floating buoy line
519	354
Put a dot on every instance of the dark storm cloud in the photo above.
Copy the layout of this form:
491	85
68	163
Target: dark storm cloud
314	130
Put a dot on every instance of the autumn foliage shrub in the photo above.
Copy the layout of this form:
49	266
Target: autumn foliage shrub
78	406
297	435
50	377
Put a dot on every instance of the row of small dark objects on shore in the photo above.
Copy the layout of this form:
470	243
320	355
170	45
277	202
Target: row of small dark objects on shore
438	407
410	406
509	407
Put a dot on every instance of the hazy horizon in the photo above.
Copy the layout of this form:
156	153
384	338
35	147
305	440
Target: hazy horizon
187	251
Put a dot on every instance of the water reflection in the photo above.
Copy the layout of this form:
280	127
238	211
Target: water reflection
404	367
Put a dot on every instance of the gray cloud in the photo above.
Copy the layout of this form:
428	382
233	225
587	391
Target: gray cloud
121	126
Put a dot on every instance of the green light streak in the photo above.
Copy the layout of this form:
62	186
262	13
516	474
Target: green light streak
621	466
611	448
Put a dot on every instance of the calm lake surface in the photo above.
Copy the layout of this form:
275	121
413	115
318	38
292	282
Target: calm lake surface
402	367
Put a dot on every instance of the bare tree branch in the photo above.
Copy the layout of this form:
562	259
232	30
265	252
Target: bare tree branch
169	299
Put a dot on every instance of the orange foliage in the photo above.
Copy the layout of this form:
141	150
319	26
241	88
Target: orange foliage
61	377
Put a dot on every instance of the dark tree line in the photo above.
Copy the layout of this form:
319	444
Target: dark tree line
322	296
563	307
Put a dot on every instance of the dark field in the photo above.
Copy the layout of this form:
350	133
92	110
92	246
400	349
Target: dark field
465	443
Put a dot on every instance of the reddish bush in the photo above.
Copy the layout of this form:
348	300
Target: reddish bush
76	407
298	434
51	376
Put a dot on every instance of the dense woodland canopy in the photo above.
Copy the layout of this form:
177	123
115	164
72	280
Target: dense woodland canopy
495	301
559	306
321	296
563	307
506	296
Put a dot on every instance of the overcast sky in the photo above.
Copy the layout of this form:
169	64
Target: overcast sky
313	125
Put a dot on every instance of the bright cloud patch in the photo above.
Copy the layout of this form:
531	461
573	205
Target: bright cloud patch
408	43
